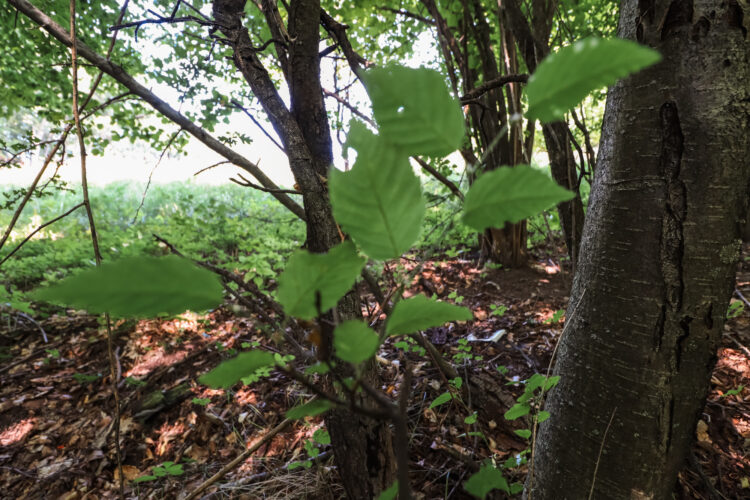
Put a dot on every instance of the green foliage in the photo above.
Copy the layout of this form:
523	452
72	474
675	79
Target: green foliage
310	277
733	392
414	110
201	401
736	308
420	313
510	195
235	228
229	372
138	287
487	479
390	493
442	399
85	379
314	407
567	76
379	202
355	342
163	470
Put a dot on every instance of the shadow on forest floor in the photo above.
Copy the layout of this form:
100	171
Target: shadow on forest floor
55	400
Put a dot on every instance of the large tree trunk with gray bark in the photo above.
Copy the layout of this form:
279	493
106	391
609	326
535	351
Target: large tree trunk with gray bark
657	260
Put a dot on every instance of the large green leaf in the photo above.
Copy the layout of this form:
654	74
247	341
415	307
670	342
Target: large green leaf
379	202
355	342
564	78
229	372
414	110
420	313
331	274
138	287
510	195
487	479
314	407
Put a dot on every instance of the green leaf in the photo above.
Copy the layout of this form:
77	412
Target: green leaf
331	274
516	411
143	479
379	202
524	433
442	399
322	436
509	195
487	479
138	287
414	110
390	493
420	313
564	78
471	419
543	415
355	342
314	407
229	372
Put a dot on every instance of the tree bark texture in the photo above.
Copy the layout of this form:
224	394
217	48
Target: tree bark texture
362	446
658	256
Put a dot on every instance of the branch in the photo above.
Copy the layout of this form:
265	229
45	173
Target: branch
492	84
48	223
262	129
159	105
338	32
349	106
437	175
406	13
240	458
245	182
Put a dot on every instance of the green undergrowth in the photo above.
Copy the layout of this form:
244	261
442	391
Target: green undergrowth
231	226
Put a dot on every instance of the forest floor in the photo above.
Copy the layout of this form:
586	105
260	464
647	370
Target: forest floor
56	402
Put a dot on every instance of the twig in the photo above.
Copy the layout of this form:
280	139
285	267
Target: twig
401	421
31	235
247	183
151	174
211	166
601	449
31	320
493	84
437	175
257	124
30	356
119	74
94	237
241	458
406	13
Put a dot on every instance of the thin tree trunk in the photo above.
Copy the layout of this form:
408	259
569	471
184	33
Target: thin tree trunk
657	263
362	447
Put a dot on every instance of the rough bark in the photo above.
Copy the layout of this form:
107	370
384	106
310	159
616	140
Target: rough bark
362	446
532	39
657	261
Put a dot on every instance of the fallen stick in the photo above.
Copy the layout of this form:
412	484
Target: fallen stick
241	458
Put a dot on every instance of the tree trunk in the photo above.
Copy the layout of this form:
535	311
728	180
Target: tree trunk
657	261
362	447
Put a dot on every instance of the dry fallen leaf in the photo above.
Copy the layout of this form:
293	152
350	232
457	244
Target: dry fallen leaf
129	471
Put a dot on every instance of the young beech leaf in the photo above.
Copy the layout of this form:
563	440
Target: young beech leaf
487	479
314	407
419	313
414	110
379	202
331	274
510	195
138	287
229	372
564	78
442	399
516	411
390	493
355	342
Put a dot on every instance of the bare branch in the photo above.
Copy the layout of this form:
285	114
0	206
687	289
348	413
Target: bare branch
158	104
492	84
247	183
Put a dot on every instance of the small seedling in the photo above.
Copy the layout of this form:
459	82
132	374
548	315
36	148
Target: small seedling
496	310
201	401
163	470
736	308
84	379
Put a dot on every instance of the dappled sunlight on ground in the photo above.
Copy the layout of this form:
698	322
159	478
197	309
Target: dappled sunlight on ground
17	432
